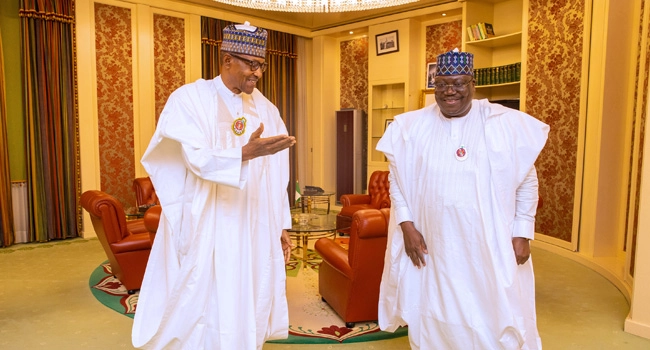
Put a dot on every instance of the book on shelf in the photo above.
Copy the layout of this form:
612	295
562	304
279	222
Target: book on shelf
480	31
489	30
509	73
477	33
470	34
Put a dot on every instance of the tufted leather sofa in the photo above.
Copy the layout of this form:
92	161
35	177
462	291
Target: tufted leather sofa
378	197
127	244
348	280
145	194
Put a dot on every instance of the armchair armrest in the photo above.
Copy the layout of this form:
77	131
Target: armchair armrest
334	254
152	218
132	242
136	226
368	236
369	223
353	199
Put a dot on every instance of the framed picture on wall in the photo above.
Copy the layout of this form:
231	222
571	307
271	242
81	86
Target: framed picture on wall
427	97
387	42
432	68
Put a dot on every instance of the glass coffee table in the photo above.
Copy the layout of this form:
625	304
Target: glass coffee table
308	199
306	226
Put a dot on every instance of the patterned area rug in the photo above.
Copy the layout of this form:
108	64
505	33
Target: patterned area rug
311	321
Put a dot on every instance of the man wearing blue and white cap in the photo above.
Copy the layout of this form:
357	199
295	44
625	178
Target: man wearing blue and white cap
464	195
220	165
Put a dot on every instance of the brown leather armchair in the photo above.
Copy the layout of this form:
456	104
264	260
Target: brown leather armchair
378	197
127	250
349	280
145	194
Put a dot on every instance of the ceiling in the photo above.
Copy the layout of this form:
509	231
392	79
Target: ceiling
319	21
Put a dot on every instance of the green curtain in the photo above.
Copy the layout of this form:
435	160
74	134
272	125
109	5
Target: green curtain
6	216
278	83
50	96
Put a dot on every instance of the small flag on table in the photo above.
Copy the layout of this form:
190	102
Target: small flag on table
298	195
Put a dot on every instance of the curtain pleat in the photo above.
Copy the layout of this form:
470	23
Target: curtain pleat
47	32
278	83
211	36
6	215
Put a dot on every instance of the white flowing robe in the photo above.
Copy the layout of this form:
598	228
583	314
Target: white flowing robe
216	277
471	294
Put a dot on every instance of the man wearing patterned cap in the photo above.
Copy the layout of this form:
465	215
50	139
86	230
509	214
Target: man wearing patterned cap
463	190
219	162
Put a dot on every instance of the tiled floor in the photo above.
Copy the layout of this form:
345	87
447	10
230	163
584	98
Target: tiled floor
45	303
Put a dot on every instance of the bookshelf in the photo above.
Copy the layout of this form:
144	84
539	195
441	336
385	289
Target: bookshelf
505	49
497	41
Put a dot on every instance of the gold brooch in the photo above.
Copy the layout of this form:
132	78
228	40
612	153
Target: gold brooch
239	126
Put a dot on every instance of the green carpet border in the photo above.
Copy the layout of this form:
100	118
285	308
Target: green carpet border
380	335
104	298
109	301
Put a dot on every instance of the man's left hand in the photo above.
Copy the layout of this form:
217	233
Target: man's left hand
522	249
286	245
259	147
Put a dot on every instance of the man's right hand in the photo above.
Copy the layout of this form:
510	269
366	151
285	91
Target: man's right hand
259	147
414	244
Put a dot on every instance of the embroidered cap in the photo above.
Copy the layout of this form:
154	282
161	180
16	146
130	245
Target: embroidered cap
244	39
455	63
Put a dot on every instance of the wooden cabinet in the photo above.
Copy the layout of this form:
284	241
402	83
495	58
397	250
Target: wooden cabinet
350	157
507	48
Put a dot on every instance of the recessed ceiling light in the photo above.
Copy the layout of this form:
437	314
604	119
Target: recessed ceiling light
351	32
444	14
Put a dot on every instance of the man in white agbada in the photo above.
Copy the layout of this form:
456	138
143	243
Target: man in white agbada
219	162
463	191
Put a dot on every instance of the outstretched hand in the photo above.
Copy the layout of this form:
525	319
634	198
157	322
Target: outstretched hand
259	147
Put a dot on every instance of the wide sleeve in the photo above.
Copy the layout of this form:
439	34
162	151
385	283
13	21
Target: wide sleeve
514	140
190	122
391	145
526	206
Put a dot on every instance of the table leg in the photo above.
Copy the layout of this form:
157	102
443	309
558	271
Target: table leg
305	242
328	204
298	240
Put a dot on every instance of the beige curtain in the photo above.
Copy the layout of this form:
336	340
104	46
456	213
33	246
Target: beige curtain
6	216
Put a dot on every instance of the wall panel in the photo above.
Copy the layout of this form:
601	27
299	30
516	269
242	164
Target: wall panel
115	110
169	57
354	74
441	38
555	37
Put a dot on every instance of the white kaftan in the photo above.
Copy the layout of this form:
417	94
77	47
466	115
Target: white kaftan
471	294
215	278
